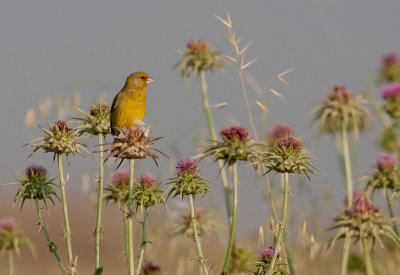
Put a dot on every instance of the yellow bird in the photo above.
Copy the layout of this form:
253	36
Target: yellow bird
130	103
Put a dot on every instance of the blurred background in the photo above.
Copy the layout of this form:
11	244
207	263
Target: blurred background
59	54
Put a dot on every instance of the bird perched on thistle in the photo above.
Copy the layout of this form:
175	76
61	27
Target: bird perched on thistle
129	104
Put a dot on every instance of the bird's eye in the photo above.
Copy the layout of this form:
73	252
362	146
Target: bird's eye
143	77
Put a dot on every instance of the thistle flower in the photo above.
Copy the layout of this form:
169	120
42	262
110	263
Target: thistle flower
236	145
188	180
199	56
151	268
390	70
286	155
59	139
389	140
264	259
341	109
363	220
118	190
35	185
205	223
11	238
391	94
280	130
133	143
96	120
385	175
147	193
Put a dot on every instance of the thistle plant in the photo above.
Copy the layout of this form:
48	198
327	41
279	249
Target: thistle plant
97	122
205	223
151	268
264	259
391	95
362	221
12	240
280	130
285	155
61	139
132	143
341	112
37	186
146	194
235	146
188	182
390	69
199	57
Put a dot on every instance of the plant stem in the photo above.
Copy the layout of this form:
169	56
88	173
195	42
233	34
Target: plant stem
65	211
367	257
345	256
196	235
130	256
232	230
347	166
207	112
281	224
126	233
10	262
50	243
144	242
99	206
390	208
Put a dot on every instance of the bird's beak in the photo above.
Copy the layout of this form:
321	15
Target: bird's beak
149	80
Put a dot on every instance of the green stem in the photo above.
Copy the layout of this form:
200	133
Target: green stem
207	112
347	166
196	235
144	242
390	208
99	207
232	230
345	256
10	262
130	256
367	257
65	211
50	243
126	233
281	224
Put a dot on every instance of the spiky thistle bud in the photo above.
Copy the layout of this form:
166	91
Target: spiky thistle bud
391	94
341	109
35	185
118	190
235	145
205	222
96	120
133	143
147	192
188	180
363	220
12	238
264	259
390	69
286	155
59	139
199	56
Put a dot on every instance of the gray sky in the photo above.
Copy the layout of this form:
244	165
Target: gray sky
53	48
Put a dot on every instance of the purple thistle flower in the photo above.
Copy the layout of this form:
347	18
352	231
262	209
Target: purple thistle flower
235	133
280	130
150	268
289	142
121	178
99	109
196	46
186	166
340	93
7	224
266	254
147	180
35	170
391	91
62	126
386	162
362	207
390	59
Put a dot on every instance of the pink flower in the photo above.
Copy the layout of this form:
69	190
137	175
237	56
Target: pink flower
150	268
62	126
147	180
7	224
391	91
35	170
235	133
267	254
280	130
386	162
196	46
340	93
121	178
186	166
390	59
289	142
362	207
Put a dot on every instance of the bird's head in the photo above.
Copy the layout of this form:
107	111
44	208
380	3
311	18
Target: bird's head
138	80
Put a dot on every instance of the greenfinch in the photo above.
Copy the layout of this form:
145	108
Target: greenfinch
130	103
